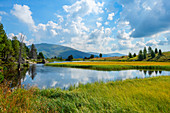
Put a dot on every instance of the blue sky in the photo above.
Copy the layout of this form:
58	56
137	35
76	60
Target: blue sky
104	26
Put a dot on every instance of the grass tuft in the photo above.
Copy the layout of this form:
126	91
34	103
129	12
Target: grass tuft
137	95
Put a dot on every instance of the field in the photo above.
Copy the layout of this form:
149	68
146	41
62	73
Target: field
163	58
114	65
137	95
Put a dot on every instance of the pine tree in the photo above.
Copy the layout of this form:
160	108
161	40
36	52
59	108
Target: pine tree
140	55
160	52
41	56
92	56
6	50
100	55
130	55
152	54
16	46
134	55
2	45
144	53
149	50
33	52
156	50
70	58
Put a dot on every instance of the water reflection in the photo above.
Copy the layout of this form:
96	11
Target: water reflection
32	71
47	77
15	77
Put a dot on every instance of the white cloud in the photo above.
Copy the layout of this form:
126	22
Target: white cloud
98	24
108	31
66	30
27	42
152	43
123	35
3	13
100	19
106	23
53	32
0	18
61	19
110	16
23	13
147	17
84	7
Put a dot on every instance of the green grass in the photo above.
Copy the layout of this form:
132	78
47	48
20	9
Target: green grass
110	67
138	95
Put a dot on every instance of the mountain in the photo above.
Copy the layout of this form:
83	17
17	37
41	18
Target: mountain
107	55
51	50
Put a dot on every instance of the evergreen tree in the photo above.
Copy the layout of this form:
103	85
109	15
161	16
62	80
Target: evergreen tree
26	50
41	56
160	52
140	55
134	55
2	36
33	52
149	50
156	50
16	46
144	53
100	55
70	58
130	55
152	54
6	50
92	56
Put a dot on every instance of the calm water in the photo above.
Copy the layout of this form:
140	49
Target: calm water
48	77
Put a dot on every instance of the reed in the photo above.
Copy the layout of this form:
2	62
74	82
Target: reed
137	95
108	66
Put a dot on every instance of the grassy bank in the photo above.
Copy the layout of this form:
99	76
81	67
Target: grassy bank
114	65
138	95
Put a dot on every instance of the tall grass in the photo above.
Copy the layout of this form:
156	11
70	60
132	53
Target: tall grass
138	95
114	65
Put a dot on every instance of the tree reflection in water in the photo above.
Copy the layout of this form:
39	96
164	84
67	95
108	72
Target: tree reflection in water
14	76
160	72
150	72
32	71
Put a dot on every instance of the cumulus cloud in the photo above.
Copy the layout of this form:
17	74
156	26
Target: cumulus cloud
98	24
106	23
110	16
122	34
152	43
84	7
3	13
61	19
23	13
146	17
26	41
123	45
100	19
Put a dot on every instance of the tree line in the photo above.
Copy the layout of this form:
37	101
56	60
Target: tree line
14	50
143	54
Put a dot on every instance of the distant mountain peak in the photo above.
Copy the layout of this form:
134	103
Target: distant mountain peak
51	50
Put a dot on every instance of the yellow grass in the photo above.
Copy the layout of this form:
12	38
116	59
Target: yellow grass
121	63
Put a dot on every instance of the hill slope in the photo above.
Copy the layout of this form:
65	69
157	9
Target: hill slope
108	55
51	50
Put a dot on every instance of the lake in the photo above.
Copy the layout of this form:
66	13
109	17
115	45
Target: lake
51	77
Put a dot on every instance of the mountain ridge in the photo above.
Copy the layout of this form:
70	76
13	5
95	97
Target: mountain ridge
51	50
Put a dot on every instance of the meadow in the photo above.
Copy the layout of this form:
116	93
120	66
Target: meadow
106	65
137	95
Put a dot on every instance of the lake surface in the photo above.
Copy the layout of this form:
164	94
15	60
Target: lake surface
49	77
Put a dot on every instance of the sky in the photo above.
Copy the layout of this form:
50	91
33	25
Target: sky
103	26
